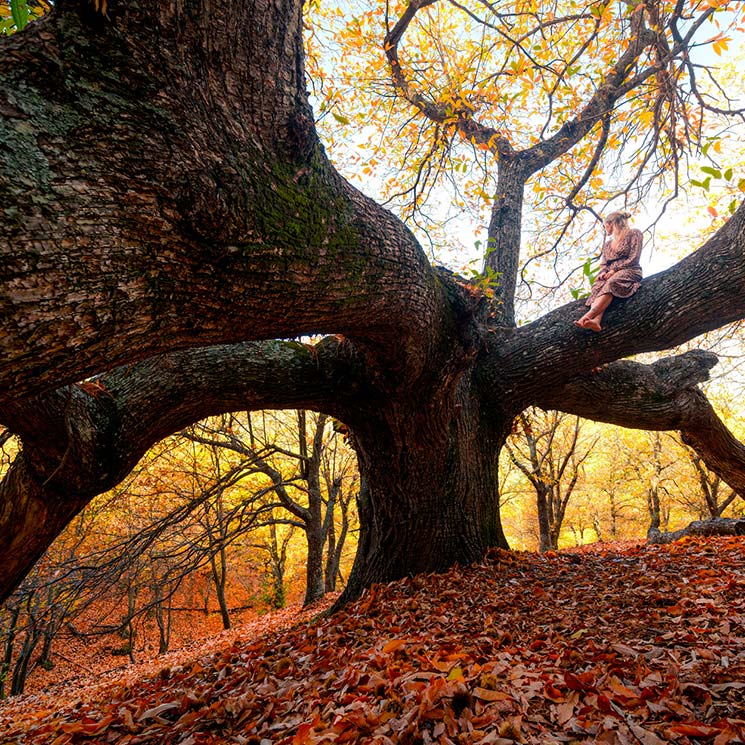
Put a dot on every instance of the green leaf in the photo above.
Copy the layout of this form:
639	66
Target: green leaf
732	206
20	13
340	118
715	172
728	174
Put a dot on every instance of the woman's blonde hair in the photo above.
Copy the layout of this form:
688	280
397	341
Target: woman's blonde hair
621	219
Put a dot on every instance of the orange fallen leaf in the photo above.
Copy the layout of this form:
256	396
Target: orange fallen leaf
393	645
695	730
487	695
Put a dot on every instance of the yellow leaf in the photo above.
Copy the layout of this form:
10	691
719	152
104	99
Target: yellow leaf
646	117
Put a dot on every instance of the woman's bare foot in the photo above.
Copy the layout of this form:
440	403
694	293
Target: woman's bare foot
592	324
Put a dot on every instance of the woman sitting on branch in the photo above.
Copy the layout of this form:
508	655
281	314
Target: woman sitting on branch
620	272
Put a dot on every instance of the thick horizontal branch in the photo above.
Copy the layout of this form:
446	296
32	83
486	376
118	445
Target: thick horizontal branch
80	441
704	291
632	394
660	396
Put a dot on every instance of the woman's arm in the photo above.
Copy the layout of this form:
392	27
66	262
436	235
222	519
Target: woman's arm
603	260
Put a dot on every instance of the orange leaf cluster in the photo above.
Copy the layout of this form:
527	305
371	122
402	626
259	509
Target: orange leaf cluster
629	644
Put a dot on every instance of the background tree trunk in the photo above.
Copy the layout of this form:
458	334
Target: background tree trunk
545	532
276	562
314	525
10	631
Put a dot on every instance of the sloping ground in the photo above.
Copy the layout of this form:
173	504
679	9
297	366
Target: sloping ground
86	669
636	644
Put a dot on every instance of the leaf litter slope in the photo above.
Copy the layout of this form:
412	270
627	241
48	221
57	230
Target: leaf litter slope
619	644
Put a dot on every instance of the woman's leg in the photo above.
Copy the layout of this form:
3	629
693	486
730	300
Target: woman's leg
592	318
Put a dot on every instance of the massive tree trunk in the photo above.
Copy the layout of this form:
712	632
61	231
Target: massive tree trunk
163	186
163	189
432	499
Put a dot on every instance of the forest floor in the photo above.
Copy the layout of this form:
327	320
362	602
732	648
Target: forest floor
610	644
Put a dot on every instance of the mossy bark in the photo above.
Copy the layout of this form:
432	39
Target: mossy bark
162	187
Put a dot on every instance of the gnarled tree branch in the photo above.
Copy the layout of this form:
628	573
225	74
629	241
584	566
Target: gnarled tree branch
660	396
81	441
163	187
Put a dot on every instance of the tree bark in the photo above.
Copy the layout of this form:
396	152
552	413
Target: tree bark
11	629
714	526
277	557
164	187
660	396
162	618
334	545
504	237
314	534
314	586
545	532
219	576
432	498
